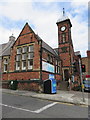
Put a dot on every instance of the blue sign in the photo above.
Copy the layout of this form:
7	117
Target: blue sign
53	86
51	76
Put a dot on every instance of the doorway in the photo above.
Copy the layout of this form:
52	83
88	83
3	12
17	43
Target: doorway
66	74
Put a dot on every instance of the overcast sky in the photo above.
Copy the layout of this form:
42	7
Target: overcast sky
42	17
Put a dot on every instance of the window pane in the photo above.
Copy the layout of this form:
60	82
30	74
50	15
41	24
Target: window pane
63	38
5	68
56	62
48	58
31	48
18	50
17	65
23	65
30	55
24	56
30	64
5	61
58	69
24	49
18	57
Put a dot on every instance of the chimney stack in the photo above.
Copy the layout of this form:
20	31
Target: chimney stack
12	38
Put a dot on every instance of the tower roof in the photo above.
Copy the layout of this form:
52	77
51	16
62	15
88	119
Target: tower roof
63	18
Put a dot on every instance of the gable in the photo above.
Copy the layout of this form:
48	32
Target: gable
26	36
27	29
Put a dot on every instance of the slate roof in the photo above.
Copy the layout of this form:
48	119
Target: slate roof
47	47
5	48
62	19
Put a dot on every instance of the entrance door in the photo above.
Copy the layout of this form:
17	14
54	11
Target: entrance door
66	74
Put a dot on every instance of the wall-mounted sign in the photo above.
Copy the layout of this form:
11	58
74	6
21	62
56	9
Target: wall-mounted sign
47	67
51	76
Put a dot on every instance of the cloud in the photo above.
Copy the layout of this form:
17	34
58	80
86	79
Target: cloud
42	17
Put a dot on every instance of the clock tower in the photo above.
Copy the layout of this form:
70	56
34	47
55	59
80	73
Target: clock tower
65	45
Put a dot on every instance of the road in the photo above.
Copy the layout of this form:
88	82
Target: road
15	106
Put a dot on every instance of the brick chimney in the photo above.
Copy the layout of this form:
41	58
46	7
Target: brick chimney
12	38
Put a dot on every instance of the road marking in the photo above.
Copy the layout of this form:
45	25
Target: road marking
16	108
45	107
36	111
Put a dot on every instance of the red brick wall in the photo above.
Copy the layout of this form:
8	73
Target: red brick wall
21	75
58	77
28	86
45	75
26	37
65	57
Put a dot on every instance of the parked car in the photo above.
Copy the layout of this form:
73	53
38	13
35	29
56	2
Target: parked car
86	85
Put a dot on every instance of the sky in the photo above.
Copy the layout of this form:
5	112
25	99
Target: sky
42	17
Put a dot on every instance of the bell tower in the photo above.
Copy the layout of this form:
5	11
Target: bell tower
65	46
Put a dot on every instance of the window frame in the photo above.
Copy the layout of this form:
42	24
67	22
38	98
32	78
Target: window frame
63	37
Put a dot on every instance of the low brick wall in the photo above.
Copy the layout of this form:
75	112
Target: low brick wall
5	85
31	85
28	86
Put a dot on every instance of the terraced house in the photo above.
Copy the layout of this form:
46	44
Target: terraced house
30	61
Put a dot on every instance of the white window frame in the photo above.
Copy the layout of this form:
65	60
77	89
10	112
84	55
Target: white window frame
4	67
56	69
17	58
23	67
19	51
29	55
24	56
24	49
30	66
17	68
5	64
29	50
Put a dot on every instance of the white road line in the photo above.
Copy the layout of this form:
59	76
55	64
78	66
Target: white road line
45	107
16	108
36	111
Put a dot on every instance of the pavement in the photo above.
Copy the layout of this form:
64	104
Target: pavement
72	97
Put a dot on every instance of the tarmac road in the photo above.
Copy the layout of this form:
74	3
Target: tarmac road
15	106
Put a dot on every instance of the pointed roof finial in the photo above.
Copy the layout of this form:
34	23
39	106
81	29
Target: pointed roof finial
63	12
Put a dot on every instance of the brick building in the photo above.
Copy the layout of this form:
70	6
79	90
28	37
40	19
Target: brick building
86	62
30	60
67	54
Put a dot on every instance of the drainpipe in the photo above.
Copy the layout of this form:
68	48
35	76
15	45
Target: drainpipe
40	43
